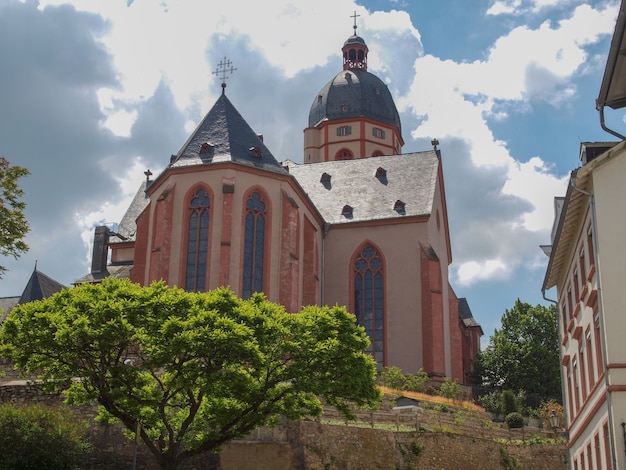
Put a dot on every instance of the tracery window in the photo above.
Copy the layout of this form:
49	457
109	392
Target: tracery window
197	241
254	245
369	293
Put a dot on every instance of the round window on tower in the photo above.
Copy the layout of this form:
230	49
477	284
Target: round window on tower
344	154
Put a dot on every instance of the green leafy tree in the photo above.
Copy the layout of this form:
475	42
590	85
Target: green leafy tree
524	353
13	224
38	438
207	367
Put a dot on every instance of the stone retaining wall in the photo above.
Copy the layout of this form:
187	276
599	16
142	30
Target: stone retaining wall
312	445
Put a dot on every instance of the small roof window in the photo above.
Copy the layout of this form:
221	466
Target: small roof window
381	172
347	211
399	206
205	147
255	152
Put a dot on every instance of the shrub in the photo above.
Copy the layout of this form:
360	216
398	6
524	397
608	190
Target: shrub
508	403
392	377
417	382
449	389
39	437
442	408
514	420
491	402
416	448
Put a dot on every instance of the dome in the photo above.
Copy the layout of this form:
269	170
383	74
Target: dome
354	39
354	93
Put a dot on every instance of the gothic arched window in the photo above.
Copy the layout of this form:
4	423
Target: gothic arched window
254	245
197	242
369	299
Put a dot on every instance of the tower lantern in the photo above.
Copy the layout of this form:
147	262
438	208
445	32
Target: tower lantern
355	51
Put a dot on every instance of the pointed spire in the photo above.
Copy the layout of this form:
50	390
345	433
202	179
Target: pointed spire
225	136
39	287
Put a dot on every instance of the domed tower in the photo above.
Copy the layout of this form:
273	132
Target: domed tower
353	115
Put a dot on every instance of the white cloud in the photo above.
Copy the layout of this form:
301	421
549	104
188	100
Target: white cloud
536	183
475	271
458	100
505	7
520	7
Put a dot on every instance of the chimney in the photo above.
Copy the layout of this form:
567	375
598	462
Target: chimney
100	250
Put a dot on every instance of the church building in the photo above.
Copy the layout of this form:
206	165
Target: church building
358	224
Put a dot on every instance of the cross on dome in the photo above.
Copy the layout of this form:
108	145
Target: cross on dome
223	70
355	16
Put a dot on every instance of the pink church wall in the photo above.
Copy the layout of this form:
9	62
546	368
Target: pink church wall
161	235
289	255
230	187
138	271
456	338
421	323
310	268
432	316
403	295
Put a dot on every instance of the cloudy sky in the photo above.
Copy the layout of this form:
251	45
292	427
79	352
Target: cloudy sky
94	92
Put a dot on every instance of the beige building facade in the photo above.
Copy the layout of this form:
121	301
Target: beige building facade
588	272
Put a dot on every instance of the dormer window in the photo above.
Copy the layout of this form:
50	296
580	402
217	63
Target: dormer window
205	147
381	172
255	152
325	178
399	206
344	108
347	211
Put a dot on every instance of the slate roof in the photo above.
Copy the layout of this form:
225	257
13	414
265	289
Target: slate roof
229	138
466	314
408	178
6	305
364	94
354	39
128	226
39	287
119	271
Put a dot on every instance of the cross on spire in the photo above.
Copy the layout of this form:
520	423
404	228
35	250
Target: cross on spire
223	70
355	16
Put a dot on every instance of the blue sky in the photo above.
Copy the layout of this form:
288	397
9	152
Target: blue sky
94	92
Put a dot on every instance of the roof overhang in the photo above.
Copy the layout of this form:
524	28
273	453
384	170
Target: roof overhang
613	88
574	207
565	231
